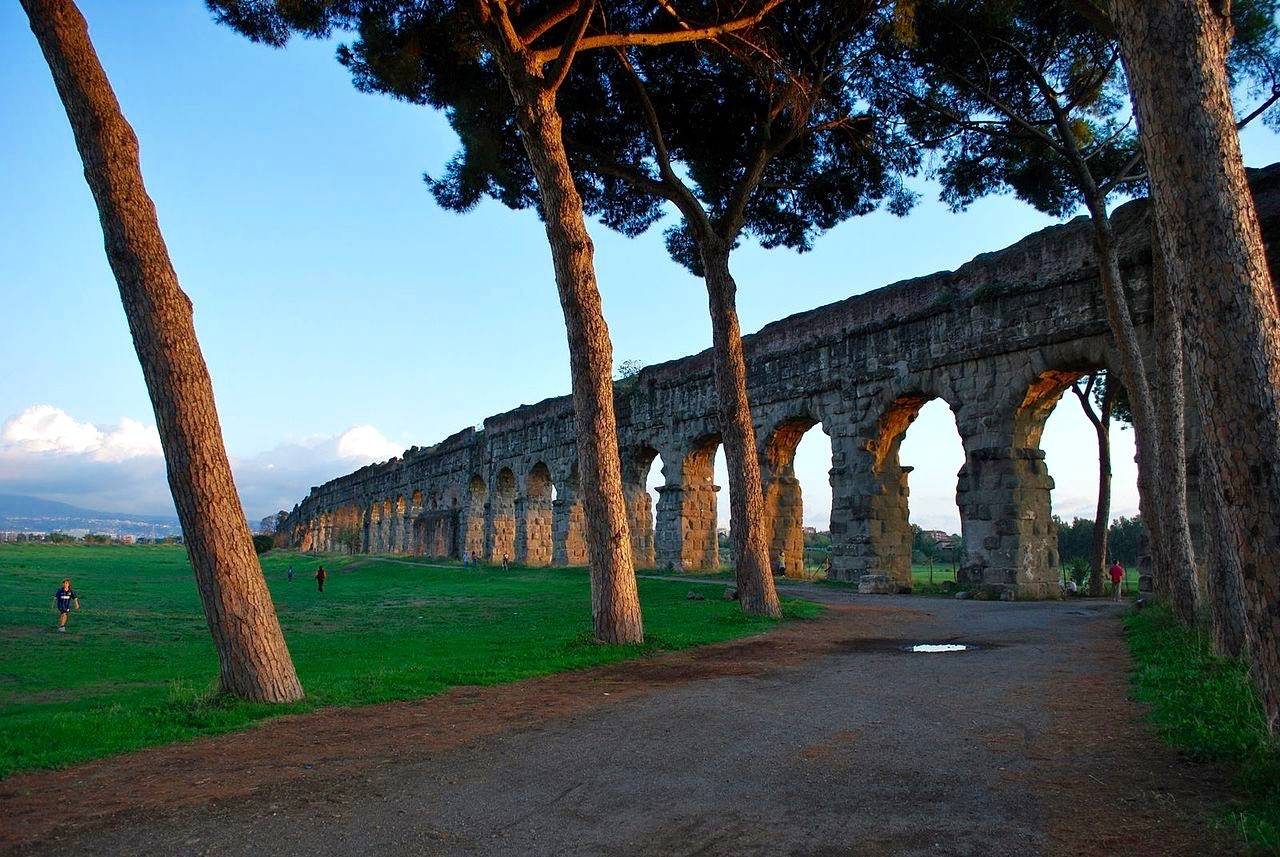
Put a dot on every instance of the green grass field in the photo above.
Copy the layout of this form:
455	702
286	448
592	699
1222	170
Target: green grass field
1207	707
137	667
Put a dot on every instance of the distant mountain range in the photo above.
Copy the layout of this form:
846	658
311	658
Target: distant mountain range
36	515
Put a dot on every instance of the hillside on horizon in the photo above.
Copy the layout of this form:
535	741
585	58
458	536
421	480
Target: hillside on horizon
25	513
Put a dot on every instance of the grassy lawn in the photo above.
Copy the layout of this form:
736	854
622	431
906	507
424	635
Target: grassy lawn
137	666
1207	707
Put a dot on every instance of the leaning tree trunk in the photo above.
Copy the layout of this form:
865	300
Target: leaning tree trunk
254	662
615	603
1175	56
1133	374
746	495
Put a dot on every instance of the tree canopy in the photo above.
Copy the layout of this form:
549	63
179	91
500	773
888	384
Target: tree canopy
1014	96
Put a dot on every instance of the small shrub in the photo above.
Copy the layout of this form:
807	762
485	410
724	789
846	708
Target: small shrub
262	544
1078	570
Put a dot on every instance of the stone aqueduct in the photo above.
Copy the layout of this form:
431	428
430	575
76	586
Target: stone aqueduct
999	340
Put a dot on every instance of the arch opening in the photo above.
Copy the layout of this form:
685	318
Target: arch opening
637	478
796	469
1052	423
930	455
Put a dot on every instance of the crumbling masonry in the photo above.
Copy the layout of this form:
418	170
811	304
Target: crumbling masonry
999	340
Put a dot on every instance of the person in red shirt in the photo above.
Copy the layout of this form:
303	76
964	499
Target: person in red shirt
1117	579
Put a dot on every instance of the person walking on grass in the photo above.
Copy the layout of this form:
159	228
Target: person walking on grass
291	574
506	562
1117	579
320	577
62	600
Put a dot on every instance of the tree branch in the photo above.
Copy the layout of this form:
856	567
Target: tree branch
1261	108
541	28
1085	404
622	40
570	48
682	196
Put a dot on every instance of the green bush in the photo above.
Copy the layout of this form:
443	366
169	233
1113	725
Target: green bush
1078	570
262	544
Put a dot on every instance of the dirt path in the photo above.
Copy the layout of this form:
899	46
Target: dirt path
822	738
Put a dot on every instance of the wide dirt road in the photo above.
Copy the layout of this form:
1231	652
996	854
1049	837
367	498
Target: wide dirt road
822	738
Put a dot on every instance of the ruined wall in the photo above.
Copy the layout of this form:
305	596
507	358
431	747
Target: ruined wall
999	340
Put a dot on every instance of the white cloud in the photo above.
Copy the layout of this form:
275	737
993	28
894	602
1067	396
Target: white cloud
366	443
51	430
46	452
44	428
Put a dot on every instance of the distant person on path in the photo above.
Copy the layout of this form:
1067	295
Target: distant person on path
506	562
320	576
1117	579
290	574
466	558
62	600
780	570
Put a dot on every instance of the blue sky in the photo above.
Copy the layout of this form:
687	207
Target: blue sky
342	314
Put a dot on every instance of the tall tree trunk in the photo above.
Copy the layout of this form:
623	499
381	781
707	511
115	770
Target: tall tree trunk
1225	587
746	494
1101	517
1175	56
1101	420
1171	408
254	662
1149	511
615	603
1133	375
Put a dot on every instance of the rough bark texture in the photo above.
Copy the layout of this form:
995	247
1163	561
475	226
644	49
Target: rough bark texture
254	662
1171	414
615	602
1222	577
746	494
1175	57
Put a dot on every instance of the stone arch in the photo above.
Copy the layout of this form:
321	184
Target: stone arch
783	494
1031	387
888	536
637	462
1039	401
569	525
533	541
415	525
1004	491
477	502
688	509
399	522
502	516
